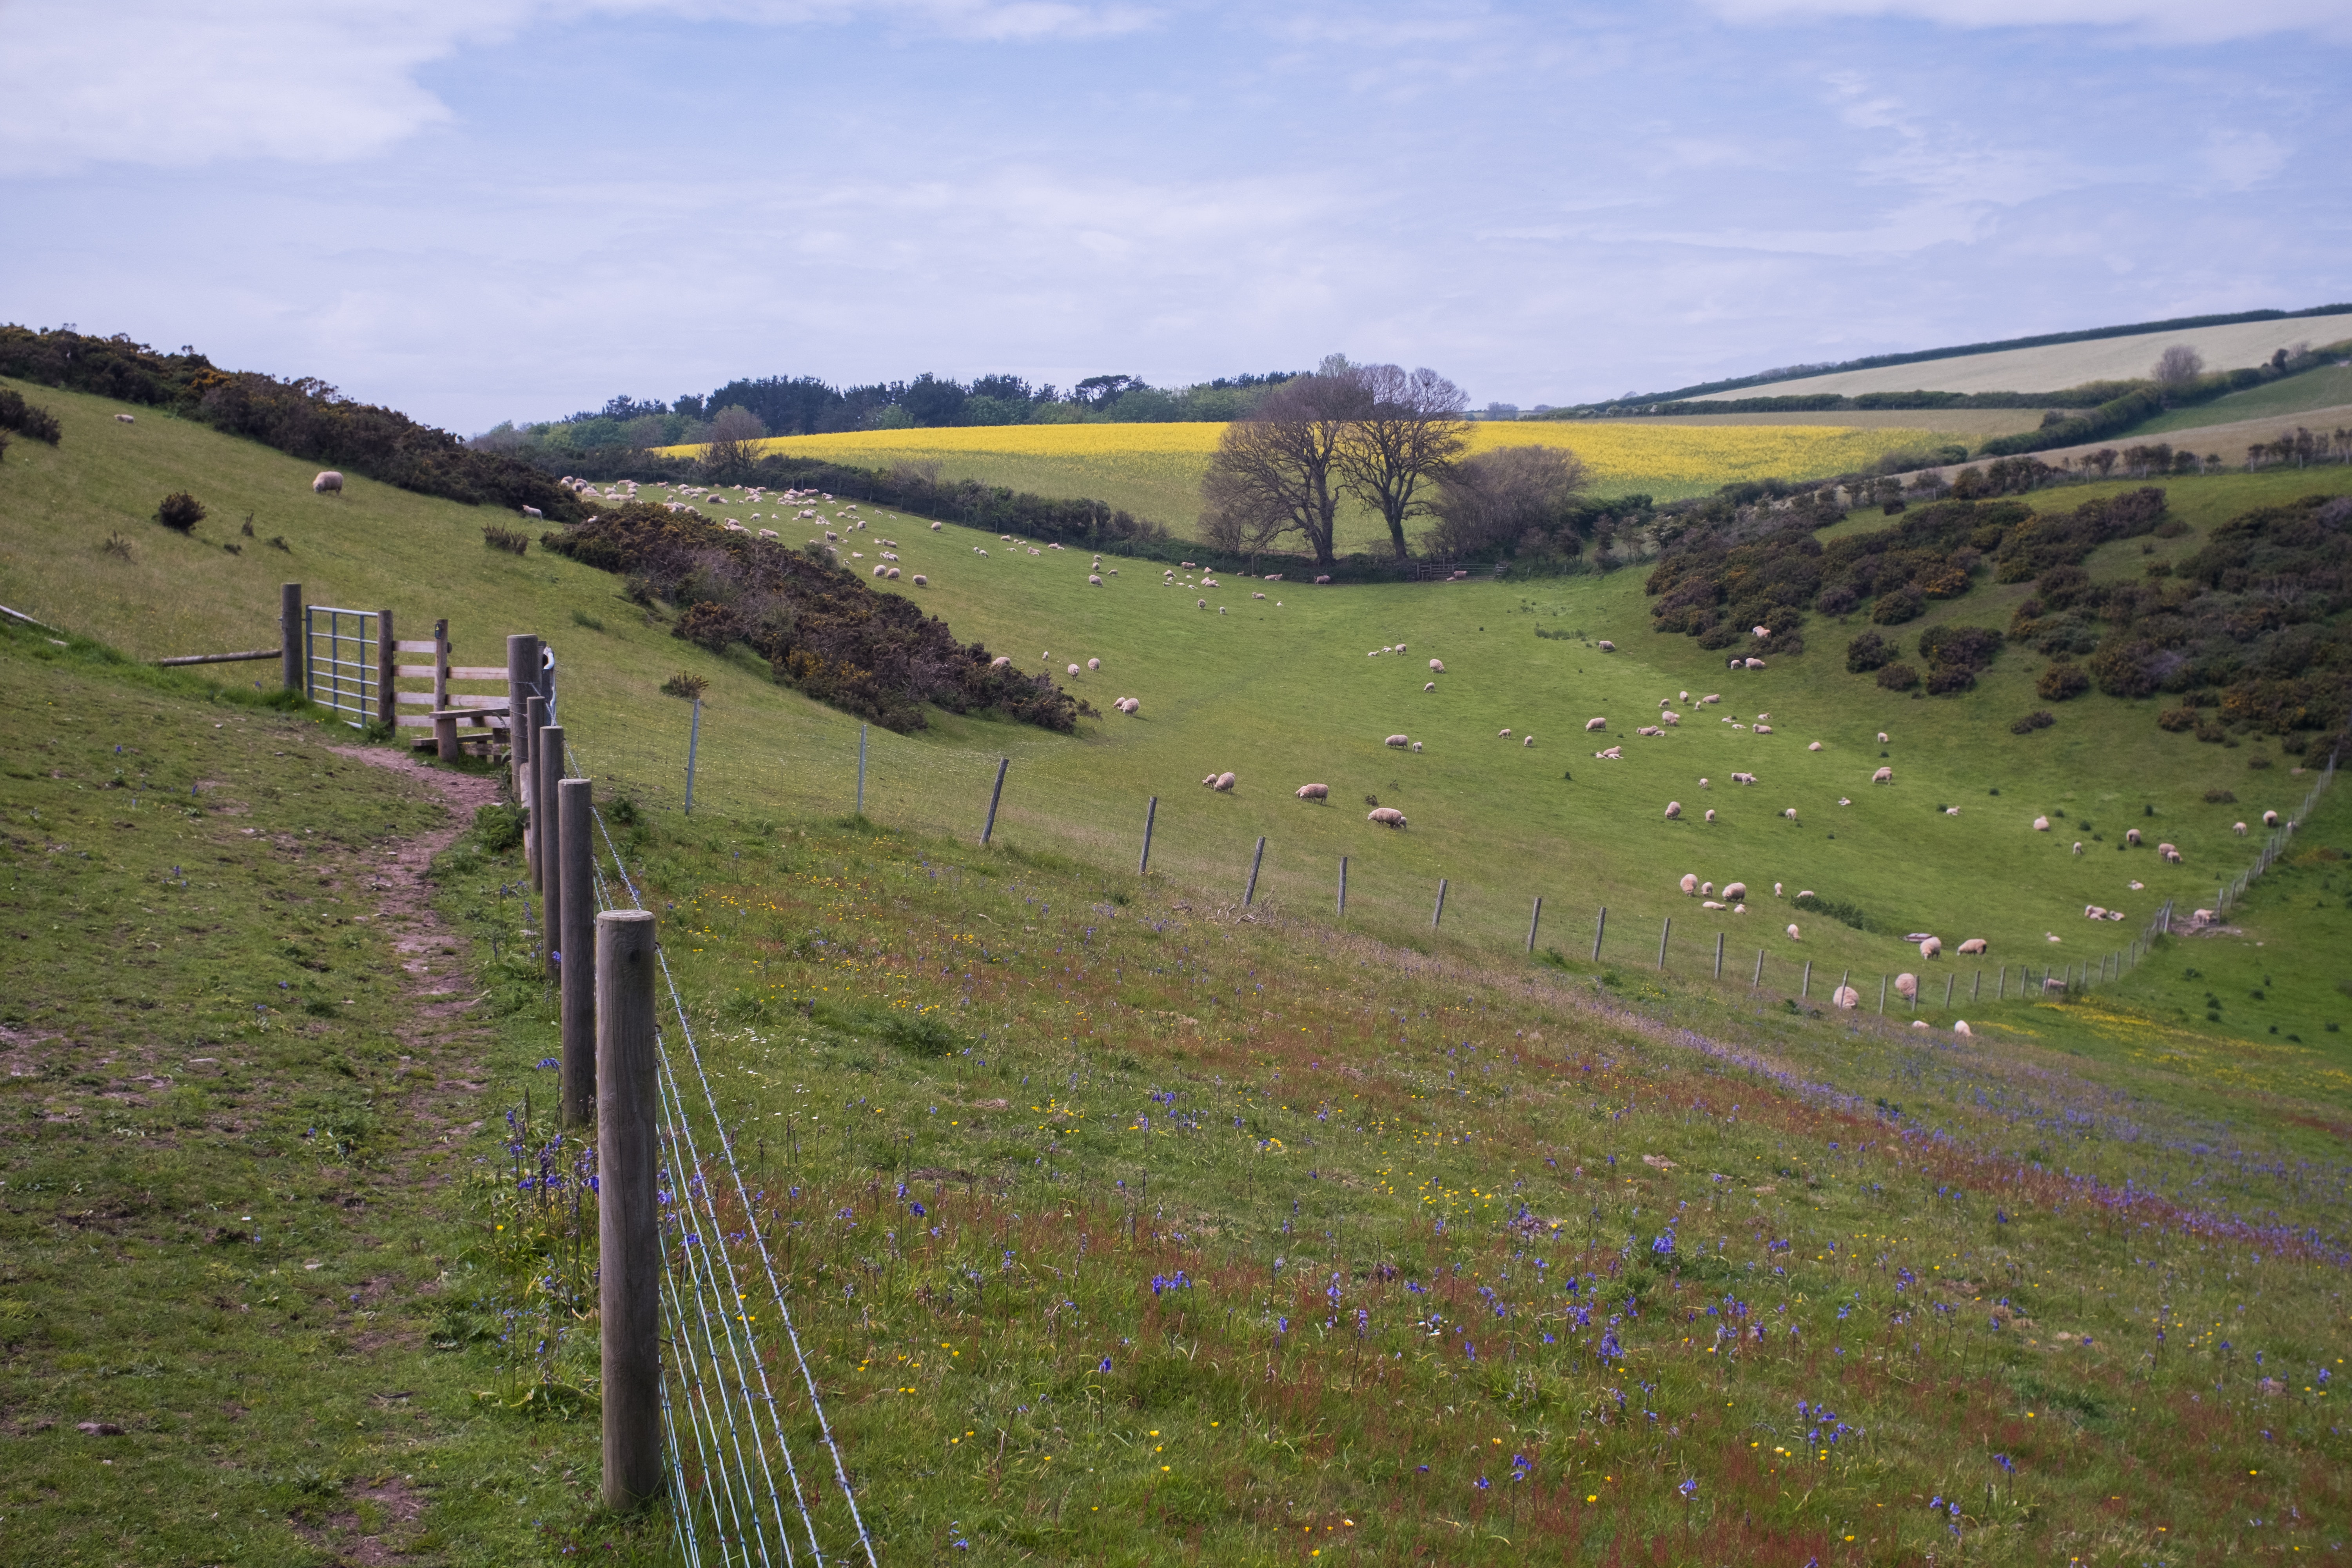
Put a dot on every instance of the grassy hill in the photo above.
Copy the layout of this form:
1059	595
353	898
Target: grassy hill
1976	1238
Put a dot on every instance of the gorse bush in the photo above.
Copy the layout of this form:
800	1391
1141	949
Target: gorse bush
513	540
686	684
27	418
179	512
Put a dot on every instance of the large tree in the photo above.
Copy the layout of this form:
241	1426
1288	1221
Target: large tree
1511	498
1276	470
1405	437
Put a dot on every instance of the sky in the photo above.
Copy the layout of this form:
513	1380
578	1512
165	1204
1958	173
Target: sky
477	210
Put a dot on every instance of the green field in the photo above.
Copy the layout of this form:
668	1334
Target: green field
1339	1086
2327	390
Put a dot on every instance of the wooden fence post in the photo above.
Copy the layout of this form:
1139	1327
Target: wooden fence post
1343	884
522	676
576	804
1438	913
1150	816
1842	978
387	660
861	770
1805	986
693	743
534	711
1948	991
1757	982
1882	996
989	830
628	1153
444	731
1249	894
1663	933
291	652
547	762
1600	928
1534	920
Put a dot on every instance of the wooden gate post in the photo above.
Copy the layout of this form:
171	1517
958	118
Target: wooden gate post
522	676
444	731
290	635
534	832
628	1153
577	856
547	764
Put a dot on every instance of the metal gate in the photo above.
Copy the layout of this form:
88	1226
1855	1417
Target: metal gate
342	660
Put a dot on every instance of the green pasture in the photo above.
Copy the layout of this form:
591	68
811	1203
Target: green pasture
2326	389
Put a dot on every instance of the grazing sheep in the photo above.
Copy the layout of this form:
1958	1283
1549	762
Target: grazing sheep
329	482
1502	734
2170	854
1225	781
881	570
2041	824
1702	783
1592	724
2078	847
935	528
1790	814
2270	819
1906	986
1706	889
1210	782
1429	686
1199	604
1690	885
1884	775
2053	984
1438	665
1315	792
533	511
2239	828
1650	730
1709	904
1975	944
1814	747
1614	754
1094	664
1960	1026
1776	890
1387	816
1735	891
1918	1023
1675	810
1793	933
920	581
2131	837
1670	717
1074	669
124	419
1002	662
1882	737
1529	740
1321	581
1710	815
1400	648
1845	996
1755	664
1608	646
1093	581
1398	741
1930	948
1416	745
894	573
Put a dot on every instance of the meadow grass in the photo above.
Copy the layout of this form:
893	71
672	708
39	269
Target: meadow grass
2326	391
1278	1120
1154	471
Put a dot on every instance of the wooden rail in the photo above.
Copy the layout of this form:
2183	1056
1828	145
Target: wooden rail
221	657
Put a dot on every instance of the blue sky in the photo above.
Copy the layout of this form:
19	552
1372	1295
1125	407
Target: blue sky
485	209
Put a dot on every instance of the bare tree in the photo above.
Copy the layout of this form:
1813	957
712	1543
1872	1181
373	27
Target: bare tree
1407	436
1275	471
2177	367
1496	498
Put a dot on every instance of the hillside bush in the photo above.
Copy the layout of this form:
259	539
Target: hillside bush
2039	719
511	540
1905	604
179	512
1868	652
1898	677
2061	682
27	418
821	628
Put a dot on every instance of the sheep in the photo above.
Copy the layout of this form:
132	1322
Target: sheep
1416	745
1608	646
1906	986
1650	730
1793	933
1074	669
1592	724
1974	945
1690	885
1127	704
1702	783
1845	996
1680	696
2239	828
935	527
2171	855
1502	734
1210	782
1882	737
329	482
1776	890
1814	747
533	511
1437	666
1845	800
1199	604
1675	810
1884	775
1314	792
1093	580
1670	717
1253	596
920	581
1763	728
1429	686
1735	891
1225	782
1706	889
881	570
1961	1028
2041	824
1755	664
1527	741
1387	816
1743	778
2270	819
1399	742
1002	662
894	573
1710	815
1712	697
1321	581
1930	948
1790	814
1709	904
124	419
2093	912
1614	754
2131	837
1951	811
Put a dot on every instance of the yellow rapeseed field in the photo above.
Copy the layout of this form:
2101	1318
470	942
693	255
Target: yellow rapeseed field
1154	471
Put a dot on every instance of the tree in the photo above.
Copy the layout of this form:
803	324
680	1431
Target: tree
1275	471
1493	500
1405	439
2177	367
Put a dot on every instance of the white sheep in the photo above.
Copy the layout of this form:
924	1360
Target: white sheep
1882	737
1951	811
1702	783
1712	697
1960	1026
920	581
1314	792
2131	837
1761	631
1884	775
1437	665
935	527
1074	669
1094	664
894	573
125	419
1706	889
1709	904
1225	781
881	570
1776	890
1931	948
1763	728
1793	933
1093	580
1614	754
1690	884
1127	704
1790	814
1674	810
1386	816
1814	747
1416	745
1906	986
1502	734
1002	662
1398	741
1592	724
1650	730
2078	847
1670	717
1735	891
2239	828
329	482
1755	664
1527	741
1975	944
1607	647
2270	819
2041	824
1845	996
1429	686
1710	815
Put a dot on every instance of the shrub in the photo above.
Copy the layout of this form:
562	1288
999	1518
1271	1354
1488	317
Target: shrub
181	511
1894	609
1950	679
709	624
2220	797
27	418
1836	600
511	540
686	684
2039	719
117	545
1837	910
497	828
2177	720
2061	682
1868	652
1898	677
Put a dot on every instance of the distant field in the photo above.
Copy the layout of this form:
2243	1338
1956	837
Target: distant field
1154	471
2320	395
2061	366
1927	424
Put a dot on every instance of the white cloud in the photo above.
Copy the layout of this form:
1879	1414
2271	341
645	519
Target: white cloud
172	84
2240	159
2161	21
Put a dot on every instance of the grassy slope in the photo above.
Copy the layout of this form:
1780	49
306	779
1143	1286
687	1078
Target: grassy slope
1154	471
1456	1087
2326	388
228	1133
